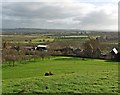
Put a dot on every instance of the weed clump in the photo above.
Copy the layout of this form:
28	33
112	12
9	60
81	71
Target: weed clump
49	74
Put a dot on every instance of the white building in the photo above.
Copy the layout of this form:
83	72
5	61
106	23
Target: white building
41	48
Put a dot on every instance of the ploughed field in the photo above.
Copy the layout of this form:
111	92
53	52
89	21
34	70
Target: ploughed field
70	75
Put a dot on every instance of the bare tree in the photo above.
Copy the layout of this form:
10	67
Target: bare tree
92	48
10	56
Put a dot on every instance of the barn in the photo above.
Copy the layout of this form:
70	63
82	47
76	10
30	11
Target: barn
41	48
113	54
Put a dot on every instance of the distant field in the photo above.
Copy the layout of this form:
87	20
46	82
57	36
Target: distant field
47	38
82	36
26	39
75	75
42	40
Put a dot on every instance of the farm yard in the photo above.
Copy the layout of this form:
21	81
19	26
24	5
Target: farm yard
70	75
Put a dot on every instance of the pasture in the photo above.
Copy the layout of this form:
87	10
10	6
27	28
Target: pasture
27	39
71	75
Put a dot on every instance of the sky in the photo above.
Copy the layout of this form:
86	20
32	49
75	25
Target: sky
60	14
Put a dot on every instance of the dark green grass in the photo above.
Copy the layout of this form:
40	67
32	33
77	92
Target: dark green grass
70	75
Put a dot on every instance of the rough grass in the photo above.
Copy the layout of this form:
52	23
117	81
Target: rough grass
71	75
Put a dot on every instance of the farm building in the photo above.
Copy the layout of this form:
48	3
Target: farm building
65	51
114	51
77	51
29	48
41	48
113	54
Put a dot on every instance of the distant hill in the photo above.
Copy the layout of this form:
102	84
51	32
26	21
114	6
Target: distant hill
36	30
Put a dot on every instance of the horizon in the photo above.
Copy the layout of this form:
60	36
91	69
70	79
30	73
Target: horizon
83	30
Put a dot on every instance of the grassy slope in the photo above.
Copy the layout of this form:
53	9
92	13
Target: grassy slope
70	75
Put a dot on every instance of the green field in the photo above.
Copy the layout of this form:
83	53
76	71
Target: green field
43	40
71	75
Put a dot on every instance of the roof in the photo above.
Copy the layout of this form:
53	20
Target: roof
115	50
42	46
28	47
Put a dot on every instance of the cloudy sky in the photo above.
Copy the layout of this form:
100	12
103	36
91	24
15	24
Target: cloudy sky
61	14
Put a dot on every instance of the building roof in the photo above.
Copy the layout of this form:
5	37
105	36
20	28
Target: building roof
42	46
115	50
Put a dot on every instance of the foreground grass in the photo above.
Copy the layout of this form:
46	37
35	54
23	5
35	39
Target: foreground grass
70	75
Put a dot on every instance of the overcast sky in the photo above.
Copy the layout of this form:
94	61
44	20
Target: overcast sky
61	14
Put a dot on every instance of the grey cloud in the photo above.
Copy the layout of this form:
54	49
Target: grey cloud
96	20
42	11
35	15
41	23
52	15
